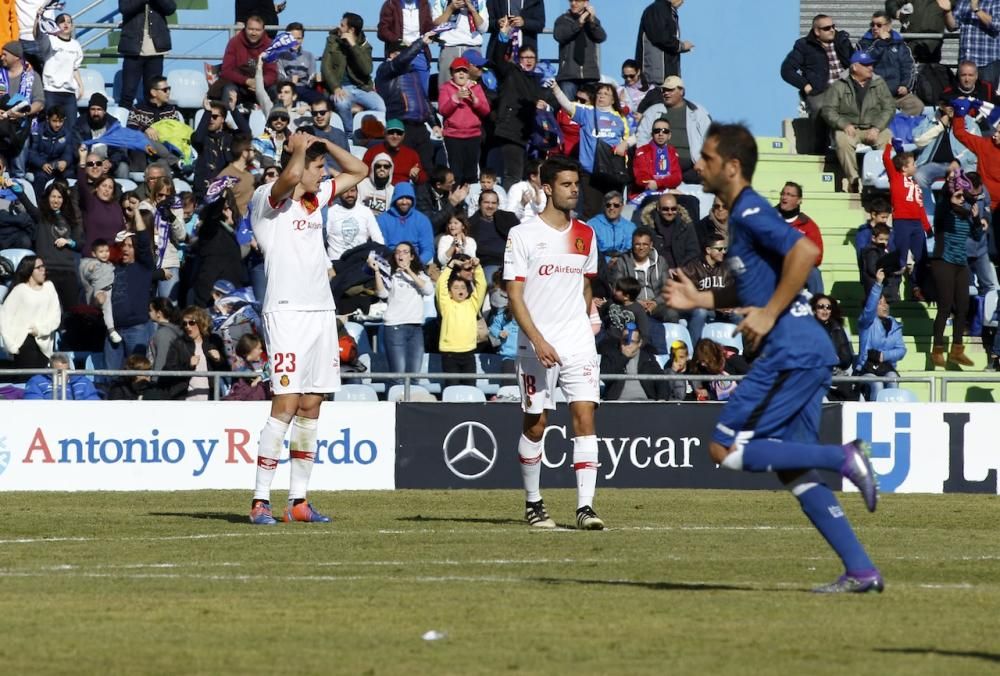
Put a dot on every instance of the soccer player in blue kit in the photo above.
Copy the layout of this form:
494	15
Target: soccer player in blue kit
771	422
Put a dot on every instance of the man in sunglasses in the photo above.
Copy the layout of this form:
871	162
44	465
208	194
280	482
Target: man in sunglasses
376	191
213	139
406	164
893	61
817	61
708	272
688	123
321	127
271	144
145	114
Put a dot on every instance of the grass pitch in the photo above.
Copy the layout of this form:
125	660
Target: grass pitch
683	582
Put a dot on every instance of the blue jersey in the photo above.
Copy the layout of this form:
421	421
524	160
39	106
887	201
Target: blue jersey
759	241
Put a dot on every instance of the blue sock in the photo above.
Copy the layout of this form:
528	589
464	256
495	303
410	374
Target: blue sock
821	506
774	455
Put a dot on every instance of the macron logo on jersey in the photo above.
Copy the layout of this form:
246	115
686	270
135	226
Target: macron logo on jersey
306	224
750	212
547	270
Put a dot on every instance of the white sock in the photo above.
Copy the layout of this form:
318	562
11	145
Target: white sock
272	438
302	450
585	464
530	453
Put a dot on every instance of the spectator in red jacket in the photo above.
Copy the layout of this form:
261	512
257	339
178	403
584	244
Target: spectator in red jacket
239	64
656	165
987	152
405	161
789	207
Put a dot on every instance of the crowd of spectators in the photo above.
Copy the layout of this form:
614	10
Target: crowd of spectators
167	275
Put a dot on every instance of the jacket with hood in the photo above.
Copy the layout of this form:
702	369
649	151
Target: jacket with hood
807	62
403	160
134	14
874	336
841	107
578	50
463	118
376	198
651	280
239	63
412	227
612	237
402	90
658	46
343	64
46	146
893	59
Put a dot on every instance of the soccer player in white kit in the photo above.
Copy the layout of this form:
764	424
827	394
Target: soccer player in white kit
547	262
299	315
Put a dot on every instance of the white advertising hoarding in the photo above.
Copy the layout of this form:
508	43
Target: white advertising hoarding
153	445
929	448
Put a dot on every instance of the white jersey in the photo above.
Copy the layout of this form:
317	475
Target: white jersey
348	228
554	264
290	235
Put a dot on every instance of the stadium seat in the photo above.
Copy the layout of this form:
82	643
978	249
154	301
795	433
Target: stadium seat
94	362
258	121
722	333
15	255
672	332
357	151
356	392
29	190
119	113
336	122
93	82
488	363
358	117
462	394
663	360
126	184
896	395
508	393
188	87
430	308
417	393
360	336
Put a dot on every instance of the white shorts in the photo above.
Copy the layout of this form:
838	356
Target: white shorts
304	351
579	376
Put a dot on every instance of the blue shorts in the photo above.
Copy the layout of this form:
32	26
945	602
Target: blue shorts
774	404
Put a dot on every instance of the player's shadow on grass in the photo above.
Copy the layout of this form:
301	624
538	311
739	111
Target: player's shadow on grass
464	519
212	516
652	586
977	654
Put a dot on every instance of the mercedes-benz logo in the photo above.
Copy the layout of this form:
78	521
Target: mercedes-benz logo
465	447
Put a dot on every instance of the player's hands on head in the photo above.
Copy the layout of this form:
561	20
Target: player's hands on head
757	323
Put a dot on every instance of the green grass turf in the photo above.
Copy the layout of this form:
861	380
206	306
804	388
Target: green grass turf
683	582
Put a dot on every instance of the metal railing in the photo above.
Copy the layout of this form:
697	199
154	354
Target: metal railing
61	378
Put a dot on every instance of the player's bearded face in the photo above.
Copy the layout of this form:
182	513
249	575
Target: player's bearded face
565	191
710	166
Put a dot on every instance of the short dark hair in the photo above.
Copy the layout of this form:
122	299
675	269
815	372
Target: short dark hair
255	17
881	14
295	26
246	344
156	82
100	241
735	142
167	308
284	83
642	231
315	150
554	166
629	287
241	143
818	18
355	22
713	238
55	112
488	192
881	229
879	205
793	184
439	174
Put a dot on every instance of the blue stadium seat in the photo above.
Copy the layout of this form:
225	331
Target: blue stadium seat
672	332
188	87
417	393
463	394
722	333
356	392
896	395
